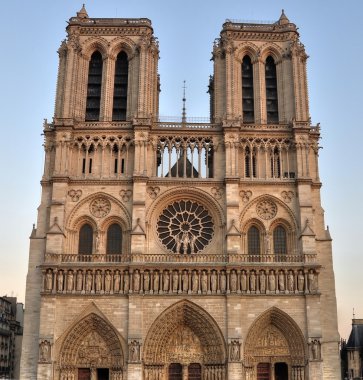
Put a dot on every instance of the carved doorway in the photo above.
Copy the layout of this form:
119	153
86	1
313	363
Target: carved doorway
195	371
281	371
175	371
263	371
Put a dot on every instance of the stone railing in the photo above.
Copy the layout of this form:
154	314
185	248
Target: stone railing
198	258
289	280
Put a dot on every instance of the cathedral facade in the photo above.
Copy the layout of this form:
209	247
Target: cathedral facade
180	250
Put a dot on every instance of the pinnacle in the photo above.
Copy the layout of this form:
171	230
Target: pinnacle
82	13
283	19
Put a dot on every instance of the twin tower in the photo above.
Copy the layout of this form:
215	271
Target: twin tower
171	250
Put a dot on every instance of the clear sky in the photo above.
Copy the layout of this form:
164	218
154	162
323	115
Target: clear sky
332	33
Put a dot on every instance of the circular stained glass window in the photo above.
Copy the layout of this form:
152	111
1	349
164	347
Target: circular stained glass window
185	227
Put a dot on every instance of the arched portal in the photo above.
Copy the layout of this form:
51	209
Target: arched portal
184	341
275	347
91	349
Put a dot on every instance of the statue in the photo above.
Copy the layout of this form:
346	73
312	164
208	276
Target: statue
290	281
300	281
252	281
175	281
312	281
204	282
192	243
126	282
136	276
272	281
185	281
262	282
70	281
267	243
60	281
44	351
315	349
108	279
49	280
156	281
195	281
234	351
222	281
97	241
146	281
178	243
281	281
98	281
213	281
116	281
185	242
134	351
233	281
89	281
243	281
79	281
166	280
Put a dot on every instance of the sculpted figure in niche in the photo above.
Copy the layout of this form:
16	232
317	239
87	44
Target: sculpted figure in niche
281	281
44	351
116	281
290	281
243	281
233	281
267	243
79	281
213	281
134	351
108	279
175	281
253	281
166	280
222	280
156	281
234	351
98	281
300	281
185	241
272	281
70	281
146	281
126	282
315	349
60	278
192	243
136	281
97	242
204	282
262	282
312	281
88	281
49	280
185	281
195	281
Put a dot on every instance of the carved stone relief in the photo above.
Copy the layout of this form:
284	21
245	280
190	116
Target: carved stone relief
93	351
125	195
217	192
153	191
287	196
234	351
266	209
75	194
134	351
245	195
100	207
44	351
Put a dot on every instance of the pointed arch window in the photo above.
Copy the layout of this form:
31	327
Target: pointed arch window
247	90
114	239
85	243
253	238
93	103
275	163
250	162
279	236
271	91
120	87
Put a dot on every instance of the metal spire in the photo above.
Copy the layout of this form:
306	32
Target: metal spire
184	114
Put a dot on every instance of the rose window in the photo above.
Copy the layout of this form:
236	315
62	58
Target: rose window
266	209
100	207
185	227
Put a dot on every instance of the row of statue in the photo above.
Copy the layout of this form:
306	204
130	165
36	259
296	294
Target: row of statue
192	281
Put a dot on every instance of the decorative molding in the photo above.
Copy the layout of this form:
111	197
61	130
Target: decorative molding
287	196
217	192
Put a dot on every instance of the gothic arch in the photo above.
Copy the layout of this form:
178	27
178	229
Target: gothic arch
289	344
246	48
119	44
272	49
184	314
89	342
95	43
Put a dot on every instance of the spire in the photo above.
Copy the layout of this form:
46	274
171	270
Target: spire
184	114
353	314
82	13
283	20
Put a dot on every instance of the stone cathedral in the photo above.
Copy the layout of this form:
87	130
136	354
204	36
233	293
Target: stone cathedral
184	250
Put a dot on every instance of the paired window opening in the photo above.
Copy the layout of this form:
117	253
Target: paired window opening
279	241
113	240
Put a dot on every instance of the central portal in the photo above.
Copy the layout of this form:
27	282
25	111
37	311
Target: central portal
193	371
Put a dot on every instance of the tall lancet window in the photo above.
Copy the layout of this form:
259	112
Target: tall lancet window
94	87
120	89
247	91
271	91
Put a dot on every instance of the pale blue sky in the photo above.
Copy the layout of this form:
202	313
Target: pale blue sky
332	33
